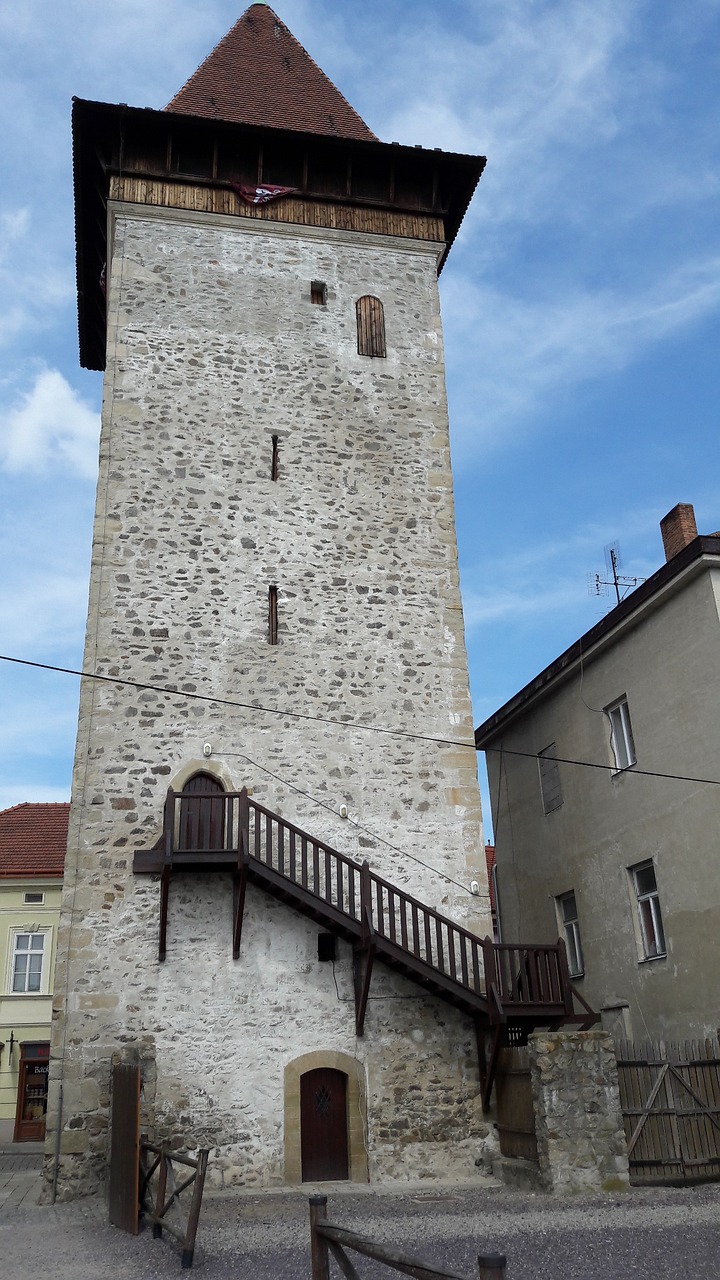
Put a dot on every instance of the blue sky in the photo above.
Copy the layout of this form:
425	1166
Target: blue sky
581	302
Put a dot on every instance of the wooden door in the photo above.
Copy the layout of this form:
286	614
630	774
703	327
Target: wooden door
32	1093
201	815
124	1147
514	1101
323	1125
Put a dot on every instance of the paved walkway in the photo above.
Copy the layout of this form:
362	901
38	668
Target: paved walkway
20	1166
659	1234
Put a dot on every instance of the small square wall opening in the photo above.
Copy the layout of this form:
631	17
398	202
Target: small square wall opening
318	293
326	946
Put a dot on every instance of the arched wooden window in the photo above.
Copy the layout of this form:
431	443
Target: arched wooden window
370	326
202	811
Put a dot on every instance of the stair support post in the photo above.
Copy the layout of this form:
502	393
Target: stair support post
168	840
488	1082
240	874
565	980
363	958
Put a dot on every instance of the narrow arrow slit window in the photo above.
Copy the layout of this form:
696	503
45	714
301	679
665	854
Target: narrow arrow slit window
272	615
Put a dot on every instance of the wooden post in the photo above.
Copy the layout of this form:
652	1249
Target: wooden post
365	902
565	981
491	1266
160	1197
194	1215
489	972
319	1255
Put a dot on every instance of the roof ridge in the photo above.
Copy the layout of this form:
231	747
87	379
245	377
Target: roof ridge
36	804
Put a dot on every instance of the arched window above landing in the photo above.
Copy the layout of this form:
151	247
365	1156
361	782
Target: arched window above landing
370	326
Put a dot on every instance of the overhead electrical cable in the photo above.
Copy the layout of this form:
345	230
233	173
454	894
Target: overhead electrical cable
607	768
323	805
350	724
233	702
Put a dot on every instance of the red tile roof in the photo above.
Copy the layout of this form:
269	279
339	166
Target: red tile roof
33	838
259	74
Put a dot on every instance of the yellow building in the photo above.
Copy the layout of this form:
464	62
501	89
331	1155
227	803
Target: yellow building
33	838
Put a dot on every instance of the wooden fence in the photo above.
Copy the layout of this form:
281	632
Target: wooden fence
328	1239
670	1098
161	1197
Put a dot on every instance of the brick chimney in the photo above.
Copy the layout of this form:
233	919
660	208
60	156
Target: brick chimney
678	528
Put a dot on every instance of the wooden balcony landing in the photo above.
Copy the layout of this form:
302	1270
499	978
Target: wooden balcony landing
506	989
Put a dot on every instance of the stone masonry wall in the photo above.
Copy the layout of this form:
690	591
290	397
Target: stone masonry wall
213	347
578	1118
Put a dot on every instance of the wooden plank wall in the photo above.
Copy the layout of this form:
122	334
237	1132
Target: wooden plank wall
670	1097
204	198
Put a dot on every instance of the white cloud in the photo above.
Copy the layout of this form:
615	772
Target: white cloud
38	722
527	351
45	613
13	226
505	604
51	426
34	272
563	63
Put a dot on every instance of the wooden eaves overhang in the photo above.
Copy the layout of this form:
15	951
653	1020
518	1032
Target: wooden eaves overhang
181	161
506	989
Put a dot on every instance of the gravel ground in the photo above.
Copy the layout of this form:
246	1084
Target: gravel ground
658	1234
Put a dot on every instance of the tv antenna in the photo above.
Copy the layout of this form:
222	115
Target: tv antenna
620	582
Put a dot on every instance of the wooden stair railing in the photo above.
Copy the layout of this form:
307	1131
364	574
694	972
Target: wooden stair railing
496	984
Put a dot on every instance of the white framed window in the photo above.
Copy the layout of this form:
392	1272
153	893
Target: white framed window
568	918
34	899
652	934
28	960
552	796
621	735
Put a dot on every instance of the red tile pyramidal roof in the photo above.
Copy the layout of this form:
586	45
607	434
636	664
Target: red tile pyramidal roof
33	838
259	74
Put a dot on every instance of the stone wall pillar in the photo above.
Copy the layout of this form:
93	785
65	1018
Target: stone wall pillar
578	1119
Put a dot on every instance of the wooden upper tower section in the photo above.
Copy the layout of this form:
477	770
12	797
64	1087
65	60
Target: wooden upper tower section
258	112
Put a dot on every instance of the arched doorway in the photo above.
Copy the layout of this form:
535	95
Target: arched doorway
202	812
307	1068
324	1125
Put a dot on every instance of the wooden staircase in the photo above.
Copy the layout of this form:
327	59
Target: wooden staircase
506	989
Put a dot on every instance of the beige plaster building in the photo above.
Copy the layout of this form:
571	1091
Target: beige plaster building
620	859
32	852
275	615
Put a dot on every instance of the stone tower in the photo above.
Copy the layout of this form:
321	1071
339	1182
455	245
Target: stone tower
274	605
